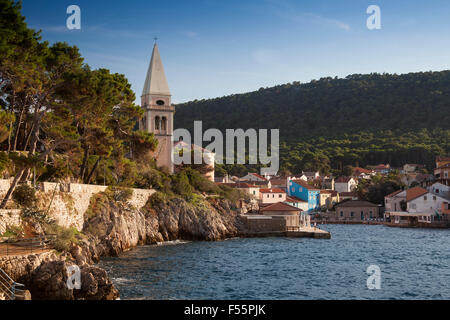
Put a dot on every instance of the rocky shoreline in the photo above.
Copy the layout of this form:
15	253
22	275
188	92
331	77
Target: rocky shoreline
112	228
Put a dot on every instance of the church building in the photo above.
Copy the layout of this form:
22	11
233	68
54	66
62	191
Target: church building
159	116
159	112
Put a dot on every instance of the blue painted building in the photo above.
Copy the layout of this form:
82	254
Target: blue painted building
302	190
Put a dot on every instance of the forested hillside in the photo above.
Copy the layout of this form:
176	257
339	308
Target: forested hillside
331	122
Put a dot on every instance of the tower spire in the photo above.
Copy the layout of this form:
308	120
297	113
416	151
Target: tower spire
156	81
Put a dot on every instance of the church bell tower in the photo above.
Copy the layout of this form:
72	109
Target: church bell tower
159	112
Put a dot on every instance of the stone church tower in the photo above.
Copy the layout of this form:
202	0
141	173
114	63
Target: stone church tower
159	112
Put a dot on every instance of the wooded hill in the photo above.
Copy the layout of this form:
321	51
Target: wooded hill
331	122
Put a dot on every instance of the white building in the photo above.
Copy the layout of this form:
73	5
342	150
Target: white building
345	184
273	195
440	190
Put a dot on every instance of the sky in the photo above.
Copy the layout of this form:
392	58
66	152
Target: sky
213	48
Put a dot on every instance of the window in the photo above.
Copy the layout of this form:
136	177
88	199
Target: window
352	214
254	192
160	102
164	124
425	198
157	123
434	198
268	195
280	196
342	213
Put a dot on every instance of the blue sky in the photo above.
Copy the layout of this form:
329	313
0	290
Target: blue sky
213	48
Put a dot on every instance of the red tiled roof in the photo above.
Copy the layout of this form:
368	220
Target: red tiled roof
294	199
343	179
258	176
393	194
280	206
445	166
278	182
305	184
332	192
273	190
359	170
414	193
441	158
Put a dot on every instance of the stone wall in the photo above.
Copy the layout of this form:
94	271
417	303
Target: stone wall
4	186
8	218
265	223
66	204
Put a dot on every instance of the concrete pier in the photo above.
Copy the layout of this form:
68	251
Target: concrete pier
312	233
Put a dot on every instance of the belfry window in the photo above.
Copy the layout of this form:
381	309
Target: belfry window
157	123
164	124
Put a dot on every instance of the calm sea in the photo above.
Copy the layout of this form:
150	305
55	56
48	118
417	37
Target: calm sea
414	263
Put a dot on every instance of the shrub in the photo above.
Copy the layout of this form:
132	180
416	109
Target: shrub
65	237
96	204
37	215
119	194
157	198
181	185
25	196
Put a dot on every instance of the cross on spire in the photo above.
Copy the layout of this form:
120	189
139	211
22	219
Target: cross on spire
156	39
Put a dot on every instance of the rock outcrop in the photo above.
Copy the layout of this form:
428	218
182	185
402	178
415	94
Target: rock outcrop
49	282
112	228
117	227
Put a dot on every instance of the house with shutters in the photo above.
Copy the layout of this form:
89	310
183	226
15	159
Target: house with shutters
302	190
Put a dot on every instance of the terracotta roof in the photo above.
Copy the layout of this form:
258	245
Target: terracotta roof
394	193
278	182
414	193
294	199
361	170
258	176
441	158
280	206
272	190
256	183
445	166
332	192
305	184
356	203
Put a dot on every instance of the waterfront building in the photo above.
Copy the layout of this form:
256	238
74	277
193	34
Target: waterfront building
357	210
272	195
328	198
441	190
297	202
442	174
302	190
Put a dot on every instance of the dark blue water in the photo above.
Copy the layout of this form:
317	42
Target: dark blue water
414	263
